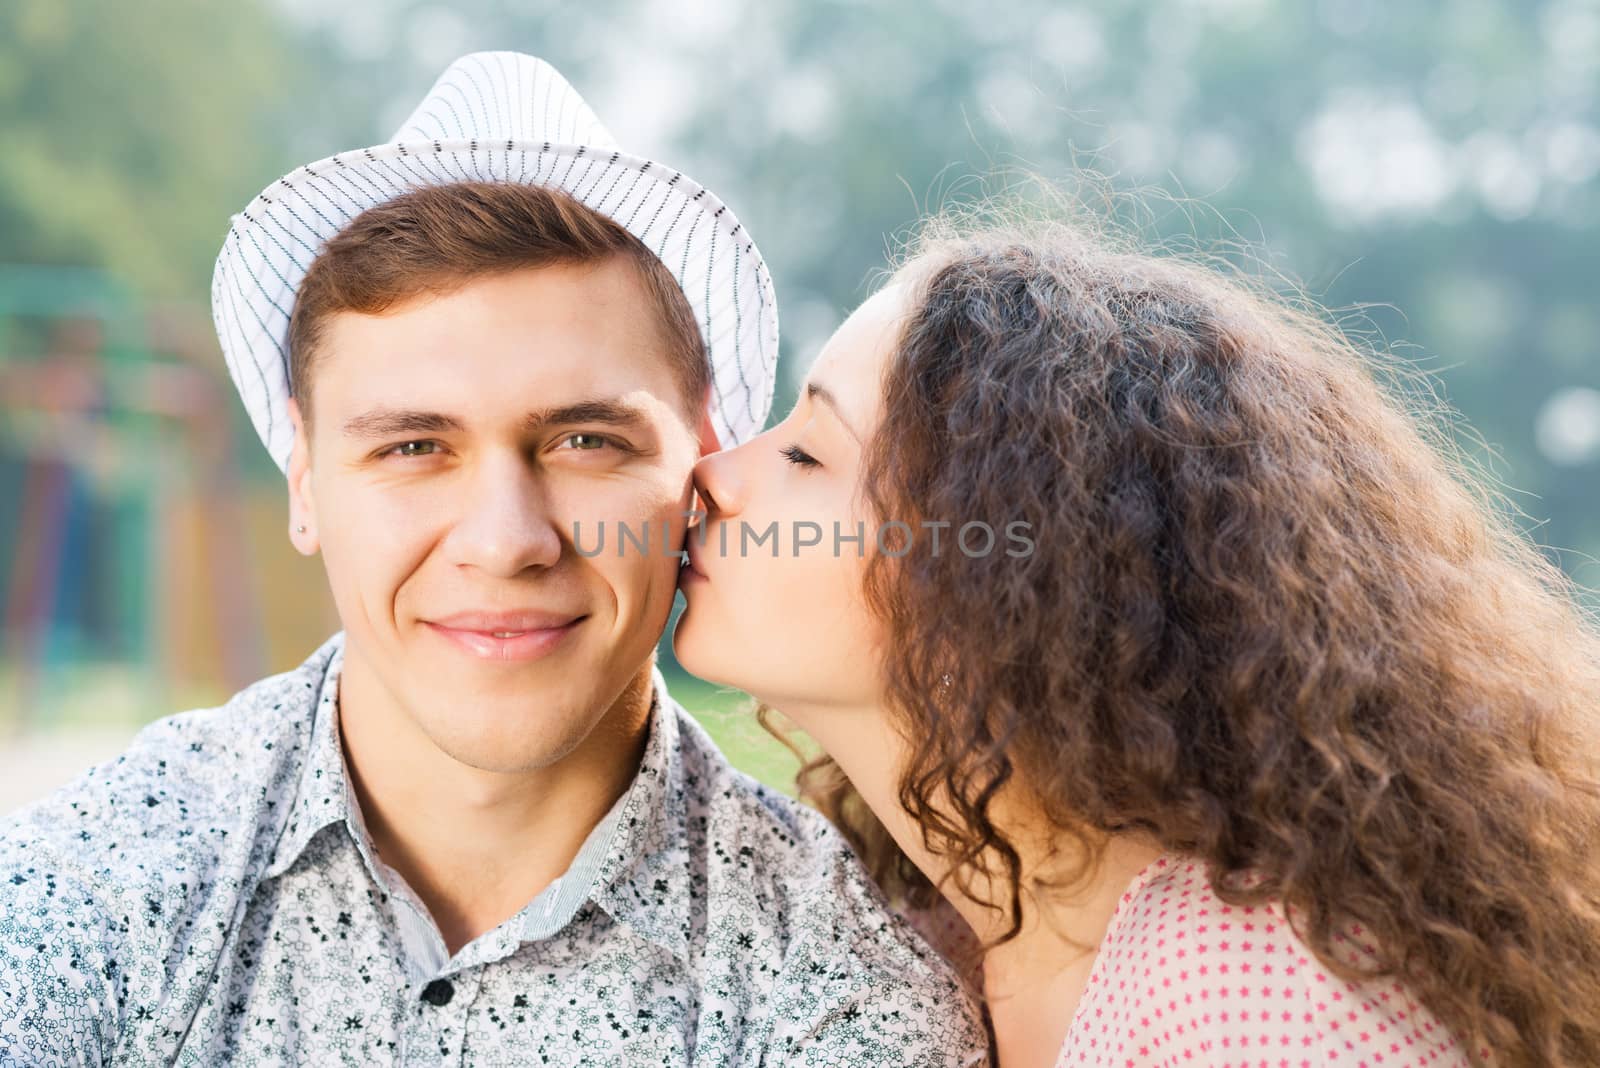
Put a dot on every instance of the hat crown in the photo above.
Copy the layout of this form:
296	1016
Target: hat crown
504	96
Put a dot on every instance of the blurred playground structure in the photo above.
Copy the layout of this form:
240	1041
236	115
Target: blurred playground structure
140	544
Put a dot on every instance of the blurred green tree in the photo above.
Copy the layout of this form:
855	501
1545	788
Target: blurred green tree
132	131
1432	164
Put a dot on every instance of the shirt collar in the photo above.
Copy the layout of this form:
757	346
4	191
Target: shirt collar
634	864
644	882
323	795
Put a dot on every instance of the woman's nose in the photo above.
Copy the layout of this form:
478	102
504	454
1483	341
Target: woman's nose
719	482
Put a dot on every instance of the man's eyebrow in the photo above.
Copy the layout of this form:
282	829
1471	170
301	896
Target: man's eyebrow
396	422
822	393
612	411
390	422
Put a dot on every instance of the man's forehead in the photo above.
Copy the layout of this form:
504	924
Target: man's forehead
605	298
473	374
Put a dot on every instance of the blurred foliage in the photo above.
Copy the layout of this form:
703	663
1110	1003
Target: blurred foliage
1432	164
132	132
1426	169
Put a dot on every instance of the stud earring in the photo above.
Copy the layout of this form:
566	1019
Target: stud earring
301	529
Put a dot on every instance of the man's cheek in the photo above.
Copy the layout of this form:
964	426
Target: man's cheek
380	527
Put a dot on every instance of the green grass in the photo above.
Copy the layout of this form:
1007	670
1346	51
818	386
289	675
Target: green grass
88	695
729	717
97	696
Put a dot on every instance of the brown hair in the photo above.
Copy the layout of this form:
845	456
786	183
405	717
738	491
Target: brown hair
438	238
1274	621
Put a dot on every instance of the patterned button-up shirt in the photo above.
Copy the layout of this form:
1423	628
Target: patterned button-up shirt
212	896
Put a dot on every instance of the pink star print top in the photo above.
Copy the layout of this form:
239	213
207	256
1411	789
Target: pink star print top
1184	979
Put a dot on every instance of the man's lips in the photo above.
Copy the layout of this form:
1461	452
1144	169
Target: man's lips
525	635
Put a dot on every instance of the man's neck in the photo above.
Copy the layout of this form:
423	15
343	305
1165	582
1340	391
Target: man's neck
476	846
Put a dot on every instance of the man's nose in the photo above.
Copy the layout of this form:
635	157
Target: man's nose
505	525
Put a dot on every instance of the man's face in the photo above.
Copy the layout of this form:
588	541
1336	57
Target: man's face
456	444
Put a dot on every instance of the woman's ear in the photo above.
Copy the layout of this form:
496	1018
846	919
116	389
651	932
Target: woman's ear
302	505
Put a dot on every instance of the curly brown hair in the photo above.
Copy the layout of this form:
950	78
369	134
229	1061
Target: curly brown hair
1274	621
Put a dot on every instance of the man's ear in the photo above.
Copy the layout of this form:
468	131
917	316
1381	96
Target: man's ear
708	434
302	505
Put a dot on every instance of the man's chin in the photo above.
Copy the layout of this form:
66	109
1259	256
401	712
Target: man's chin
504	742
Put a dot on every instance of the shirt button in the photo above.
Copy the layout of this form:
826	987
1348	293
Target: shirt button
438	992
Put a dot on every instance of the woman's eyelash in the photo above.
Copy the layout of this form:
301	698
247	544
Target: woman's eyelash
799	457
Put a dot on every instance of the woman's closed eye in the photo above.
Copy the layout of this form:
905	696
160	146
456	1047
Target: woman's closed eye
799	457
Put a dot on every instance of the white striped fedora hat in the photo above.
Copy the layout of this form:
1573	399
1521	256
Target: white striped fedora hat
497	117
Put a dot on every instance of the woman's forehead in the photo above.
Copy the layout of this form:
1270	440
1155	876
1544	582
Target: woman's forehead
852	363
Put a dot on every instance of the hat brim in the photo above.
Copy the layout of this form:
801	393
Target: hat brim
271	244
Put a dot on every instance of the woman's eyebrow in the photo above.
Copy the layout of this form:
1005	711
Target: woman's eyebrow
822	393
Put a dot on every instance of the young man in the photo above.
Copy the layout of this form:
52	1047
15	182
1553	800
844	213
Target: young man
472	828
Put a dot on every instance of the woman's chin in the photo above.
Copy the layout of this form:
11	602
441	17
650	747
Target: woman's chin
695	652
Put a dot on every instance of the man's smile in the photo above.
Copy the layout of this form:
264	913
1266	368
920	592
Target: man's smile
521	635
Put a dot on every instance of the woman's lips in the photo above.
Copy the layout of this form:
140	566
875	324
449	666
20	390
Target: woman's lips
507	643
690	573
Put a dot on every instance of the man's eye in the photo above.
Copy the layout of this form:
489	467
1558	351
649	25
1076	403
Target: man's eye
414	448
585	442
